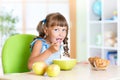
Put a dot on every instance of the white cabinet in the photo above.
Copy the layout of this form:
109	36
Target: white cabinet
103	31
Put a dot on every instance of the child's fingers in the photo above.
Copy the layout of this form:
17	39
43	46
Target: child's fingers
54	43
57	43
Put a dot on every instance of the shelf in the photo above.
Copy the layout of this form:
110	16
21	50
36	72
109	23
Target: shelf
103	35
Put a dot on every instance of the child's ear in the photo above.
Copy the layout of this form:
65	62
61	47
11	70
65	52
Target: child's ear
46	31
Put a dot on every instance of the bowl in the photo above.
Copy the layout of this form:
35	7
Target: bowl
65	64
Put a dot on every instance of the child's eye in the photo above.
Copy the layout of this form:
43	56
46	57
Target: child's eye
64	30
55	29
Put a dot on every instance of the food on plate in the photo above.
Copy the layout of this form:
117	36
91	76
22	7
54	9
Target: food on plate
101	63
92	59
98	63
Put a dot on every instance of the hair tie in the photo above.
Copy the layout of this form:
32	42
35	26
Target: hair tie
44	21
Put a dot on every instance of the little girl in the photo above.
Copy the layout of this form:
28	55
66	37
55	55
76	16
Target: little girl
52	39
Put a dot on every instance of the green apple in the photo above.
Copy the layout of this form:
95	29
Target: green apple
53	70
39	68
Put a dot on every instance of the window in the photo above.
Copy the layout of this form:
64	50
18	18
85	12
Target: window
30	12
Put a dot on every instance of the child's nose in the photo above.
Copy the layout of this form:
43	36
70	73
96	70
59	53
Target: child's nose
60	34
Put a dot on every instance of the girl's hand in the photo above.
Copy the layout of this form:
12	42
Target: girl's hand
54	47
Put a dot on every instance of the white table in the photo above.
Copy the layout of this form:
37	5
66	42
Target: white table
79	72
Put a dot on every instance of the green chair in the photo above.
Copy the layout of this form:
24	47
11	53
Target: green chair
16	52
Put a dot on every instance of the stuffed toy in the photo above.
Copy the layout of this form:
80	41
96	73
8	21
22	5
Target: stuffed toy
110	39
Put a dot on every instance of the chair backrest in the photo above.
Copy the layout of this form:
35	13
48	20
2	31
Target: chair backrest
15	53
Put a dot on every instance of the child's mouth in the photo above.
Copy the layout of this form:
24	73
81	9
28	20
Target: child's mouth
59	40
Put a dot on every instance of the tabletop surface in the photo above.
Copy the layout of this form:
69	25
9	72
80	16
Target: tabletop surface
79	72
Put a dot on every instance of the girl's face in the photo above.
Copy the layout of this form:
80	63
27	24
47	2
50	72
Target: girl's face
56	34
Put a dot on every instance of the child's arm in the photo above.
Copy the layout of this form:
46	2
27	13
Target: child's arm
37	56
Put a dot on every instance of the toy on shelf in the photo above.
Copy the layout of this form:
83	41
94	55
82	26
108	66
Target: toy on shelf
112	56
99	40
96	7
114	16
110	39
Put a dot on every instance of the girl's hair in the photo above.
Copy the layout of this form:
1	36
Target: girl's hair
54	19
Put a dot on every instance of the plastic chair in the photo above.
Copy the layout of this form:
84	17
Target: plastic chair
15	53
